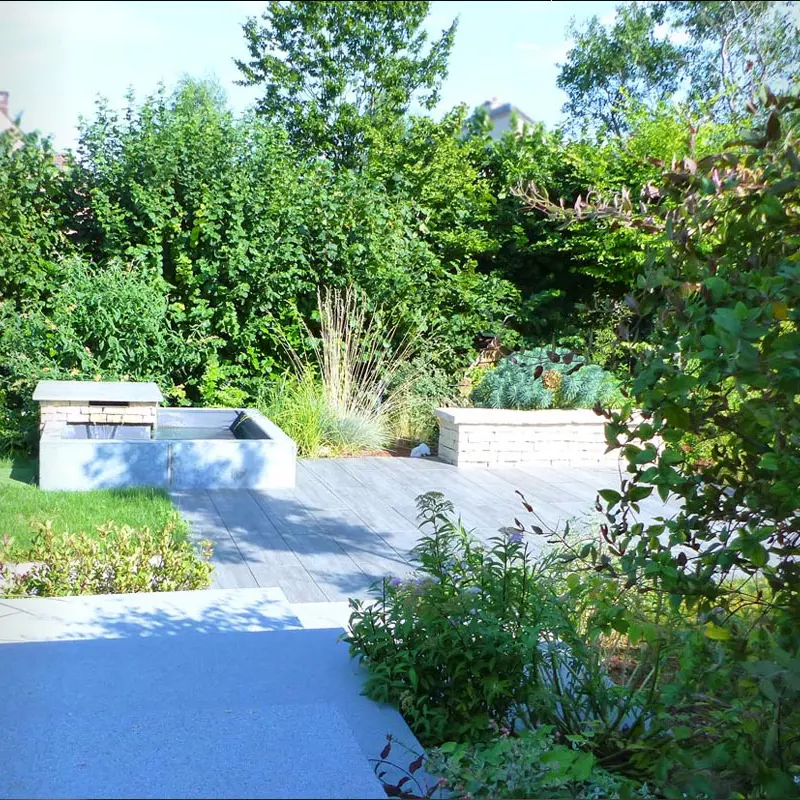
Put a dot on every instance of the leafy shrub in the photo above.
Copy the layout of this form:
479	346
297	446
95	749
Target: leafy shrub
530	764
484	639
422	387
108	322
540	378
114	560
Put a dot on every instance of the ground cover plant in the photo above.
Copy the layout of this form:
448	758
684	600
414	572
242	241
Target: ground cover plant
111	559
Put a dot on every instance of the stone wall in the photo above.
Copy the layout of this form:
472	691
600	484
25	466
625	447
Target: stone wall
505	438
64	411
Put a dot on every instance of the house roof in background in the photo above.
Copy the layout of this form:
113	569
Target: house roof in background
496	109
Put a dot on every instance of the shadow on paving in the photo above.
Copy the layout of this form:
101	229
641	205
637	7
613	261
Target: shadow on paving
351	522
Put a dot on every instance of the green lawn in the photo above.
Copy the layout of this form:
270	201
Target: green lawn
23	503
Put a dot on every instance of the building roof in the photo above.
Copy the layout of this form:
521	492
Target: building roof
6	123
506	108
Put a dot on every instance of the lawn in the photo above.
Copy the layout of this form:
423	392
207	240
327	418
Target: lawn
22	503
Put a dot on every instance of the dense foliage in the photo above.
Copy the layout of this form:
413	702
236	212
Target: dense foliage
721	366
541	378
114	559
502	662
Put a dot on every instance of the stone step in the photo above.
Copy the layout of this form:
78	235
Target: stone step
186	694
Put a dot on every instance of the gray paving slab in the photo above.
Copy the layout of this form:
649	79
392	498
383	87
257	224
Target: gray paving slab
183	713
294	581
312	491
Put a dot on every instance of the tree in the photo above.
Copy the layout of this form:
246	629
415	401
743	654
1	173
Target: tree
333	72
733	48
608	67
726	49
33	216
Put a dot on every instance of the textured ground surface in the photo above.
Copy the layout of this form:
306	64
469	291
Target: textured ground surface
351	521
233	693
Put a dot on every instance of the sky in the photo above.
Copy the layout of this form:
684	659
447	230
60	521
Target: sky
56	58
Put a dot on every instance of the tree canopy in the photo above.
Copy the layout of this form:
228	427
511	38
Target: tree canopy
334	72
714	54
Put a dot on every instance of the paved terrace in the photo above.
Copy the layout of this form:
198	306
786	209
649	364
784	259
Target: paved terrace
351	521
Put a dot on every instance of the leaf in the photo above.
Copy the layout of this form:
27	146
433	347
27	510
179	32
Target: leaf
636	493
386	750
412	674
610	496
770	462
773	126
573	580
715	632
415	764
767	688
537	373
582	766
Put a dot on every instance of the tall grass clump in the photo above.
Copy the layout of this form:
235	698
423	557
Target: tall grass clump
348	385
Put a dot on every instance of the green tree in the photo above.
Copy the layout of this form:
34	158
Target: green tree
33	216
609	66
733	48
333	73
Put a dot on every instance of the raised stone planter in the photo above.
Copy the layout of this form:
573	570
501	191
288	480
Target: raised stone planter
488	437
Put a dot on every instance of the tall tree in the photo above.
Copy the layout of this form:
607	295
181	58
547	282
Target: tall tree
611	65
725	50
735	47
333	73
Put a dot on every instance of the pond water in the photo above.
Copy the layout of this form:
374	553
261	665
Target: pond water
187	432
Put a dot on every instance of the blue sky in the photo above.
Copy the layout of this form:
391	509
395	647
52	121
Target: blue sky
56	57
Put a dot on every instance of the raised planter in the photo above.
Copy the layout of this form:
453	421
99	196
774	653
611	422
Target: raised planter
489	437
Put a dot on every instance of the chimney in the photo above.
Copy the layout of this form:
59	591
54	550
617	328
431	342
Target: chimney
4	103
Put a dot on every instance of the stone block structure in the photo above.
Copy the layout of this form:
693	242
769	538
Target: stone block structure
488	437
95	402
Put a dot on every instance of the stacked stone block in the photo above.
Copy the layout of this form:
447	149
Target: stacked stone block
503	438
78	411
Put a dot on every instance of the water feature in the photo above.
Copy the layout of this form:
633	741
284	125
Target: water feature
95	438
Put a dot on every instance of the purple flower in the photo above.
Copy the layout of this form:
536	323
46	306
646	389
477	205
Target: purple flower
395	582
515	537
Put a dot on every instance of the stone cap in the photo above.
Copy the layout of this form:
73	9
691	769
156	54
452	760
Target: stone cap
508	416
98	391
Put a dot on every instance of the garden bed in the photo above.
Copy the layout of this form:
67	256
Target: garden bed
488	437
